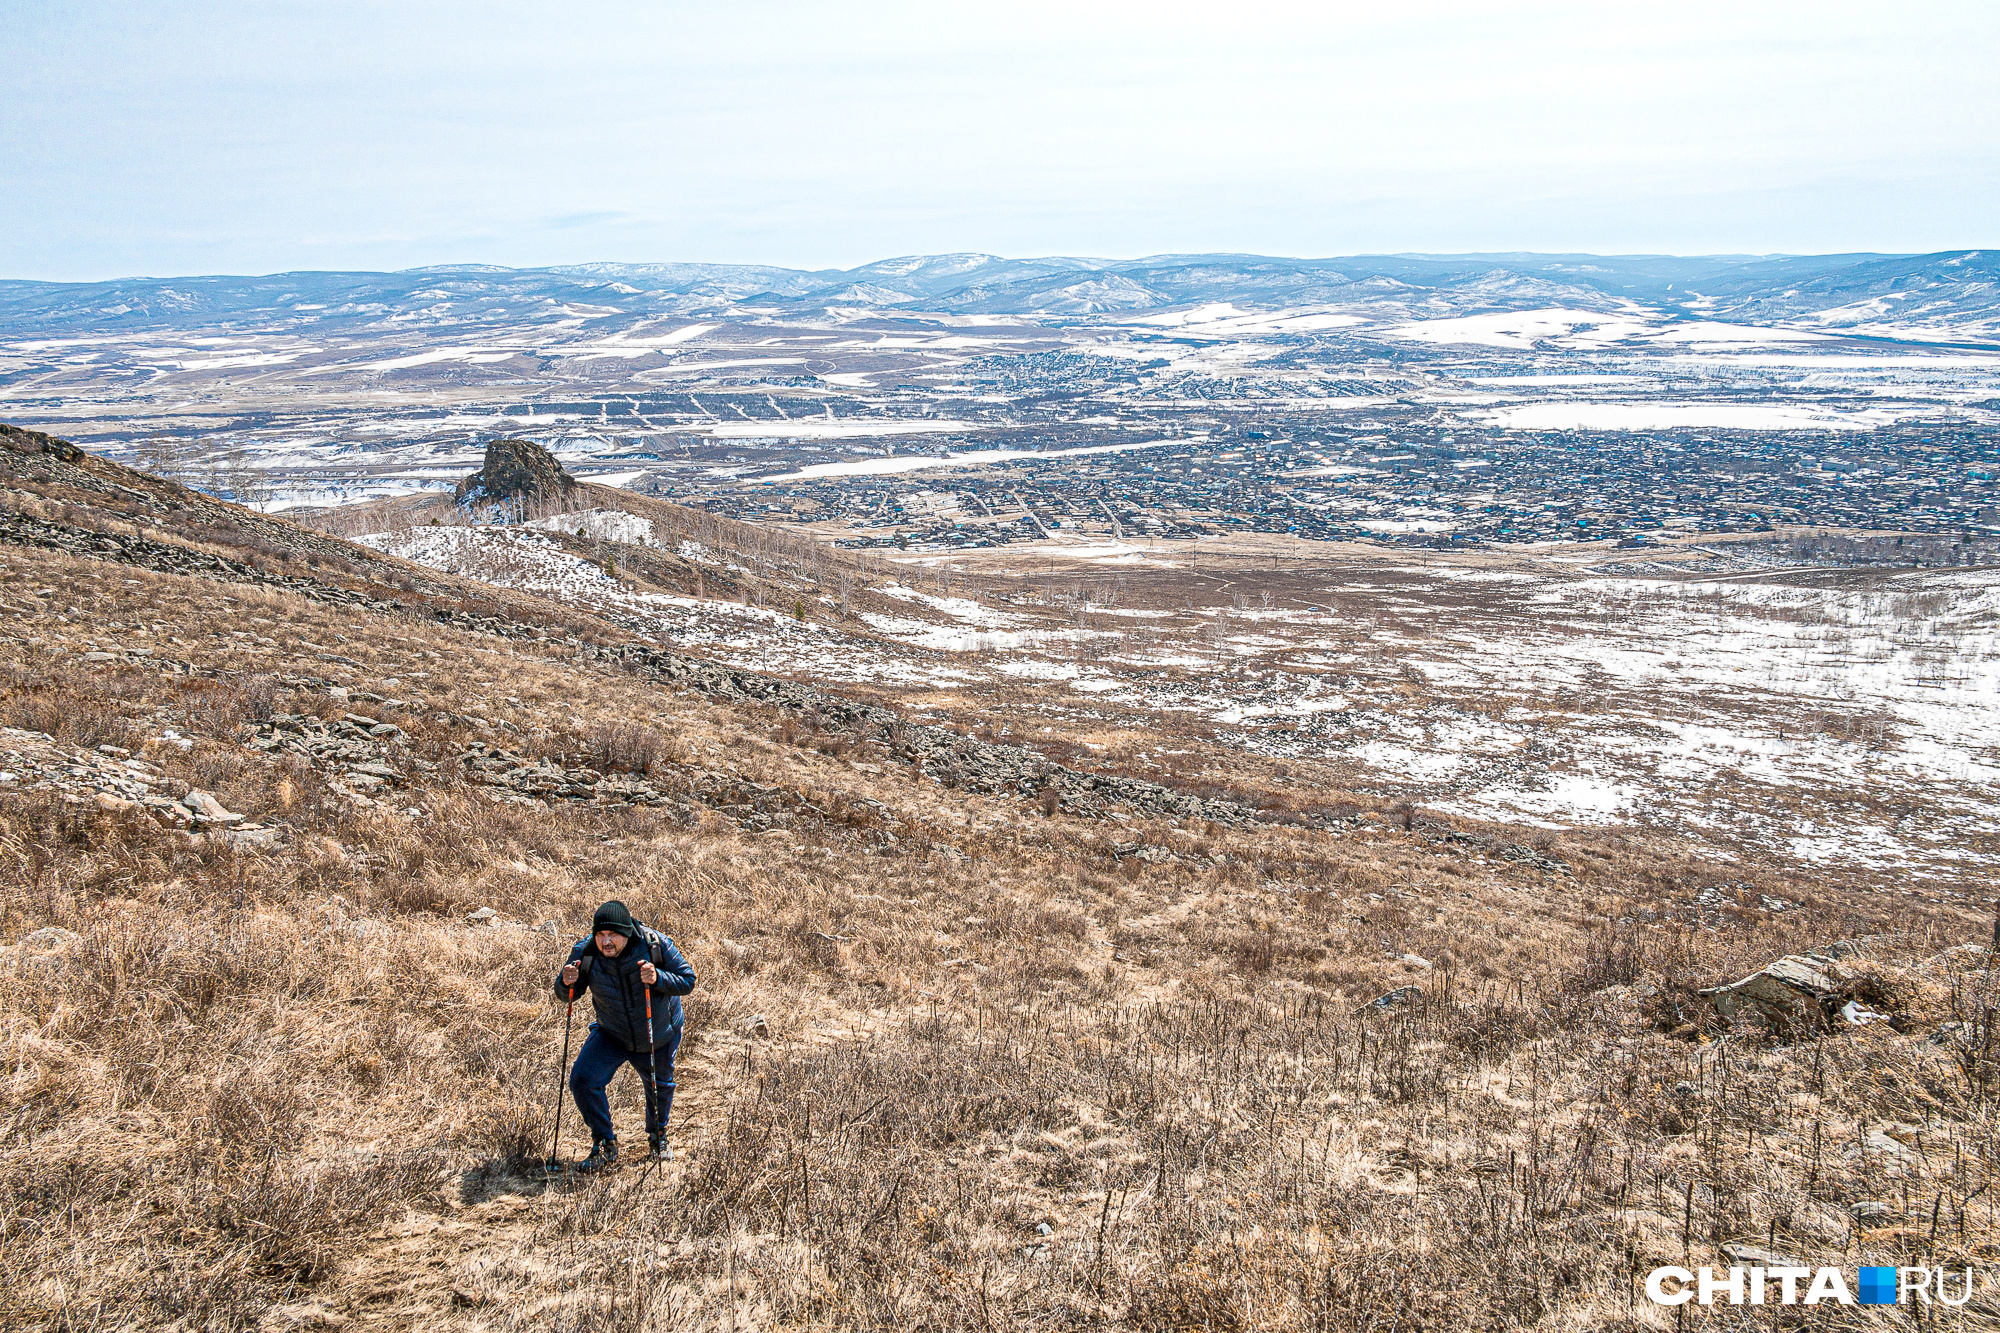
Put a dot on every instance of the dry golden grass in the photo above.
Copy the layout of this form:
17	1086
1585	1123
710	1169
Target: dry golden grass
295	1087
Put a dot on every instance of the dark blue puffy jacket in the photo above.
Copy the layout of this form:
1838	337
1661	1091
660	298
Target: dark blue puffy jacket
618	994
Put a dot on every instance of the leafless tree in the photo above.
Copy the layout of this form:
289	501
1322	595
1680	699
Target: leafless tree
248	485
161	455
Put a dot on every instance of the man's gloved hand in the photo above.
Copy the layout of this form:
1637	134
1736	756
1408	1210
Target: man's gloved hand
569	974
648	973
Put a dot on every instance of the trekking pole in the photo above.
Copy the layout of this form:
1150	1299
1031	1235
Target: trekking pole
553	1164
652	1078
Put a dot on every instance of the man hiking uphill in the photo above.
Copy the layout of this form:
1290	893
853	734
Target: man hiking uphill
636	978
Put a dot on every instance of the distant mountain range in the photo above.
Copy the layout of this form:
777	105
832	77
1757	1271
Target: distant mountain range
1945	296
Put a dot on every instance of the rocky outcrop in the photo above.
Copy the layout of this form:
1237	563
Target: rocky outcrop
1433	831
118	782
518	472
357	753
525	778
34	442
755	807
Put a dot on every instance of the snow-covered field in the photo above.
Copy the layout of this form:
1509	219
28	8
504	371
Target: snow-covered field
1673	416
958	458
1816	724
1823	725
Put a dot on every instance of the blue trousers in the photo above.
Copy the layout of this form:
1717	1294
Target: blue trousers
599	1060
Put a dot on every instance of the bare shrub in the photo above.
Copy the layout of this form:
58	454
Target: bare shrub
1256	951
69	706
834	743
1609	957
221	707
627	747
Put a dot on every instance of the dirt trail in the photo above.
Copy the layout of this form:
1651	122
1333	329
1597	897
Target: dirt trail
428	1267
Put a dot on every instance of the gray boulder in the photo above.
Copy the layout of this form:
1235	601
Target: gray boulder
1787	990
207	810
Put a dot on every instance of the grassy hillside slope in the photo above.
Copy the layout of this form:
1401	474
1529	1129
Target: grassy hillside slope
957	1060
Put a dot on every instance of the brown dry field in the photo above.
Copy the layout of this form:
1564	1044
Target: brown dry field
1006	1077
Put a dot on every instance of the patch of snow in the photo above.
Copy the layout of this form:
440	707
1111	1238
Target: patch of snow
855	467
604	525
1672	416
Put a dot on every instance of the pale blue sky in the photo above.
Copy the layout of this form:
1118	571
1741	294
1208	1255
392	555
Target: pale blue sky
182	138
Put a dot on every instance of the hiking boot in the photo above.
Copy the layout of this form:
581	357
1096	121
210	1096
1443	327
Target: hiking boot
658	1148
603	1156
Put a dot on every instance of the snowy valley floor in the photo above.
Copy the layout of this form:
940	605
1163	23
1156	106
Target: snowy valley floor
1845	721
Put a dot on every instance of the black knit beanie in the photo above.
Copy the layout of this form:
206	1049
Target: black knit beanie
613	916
